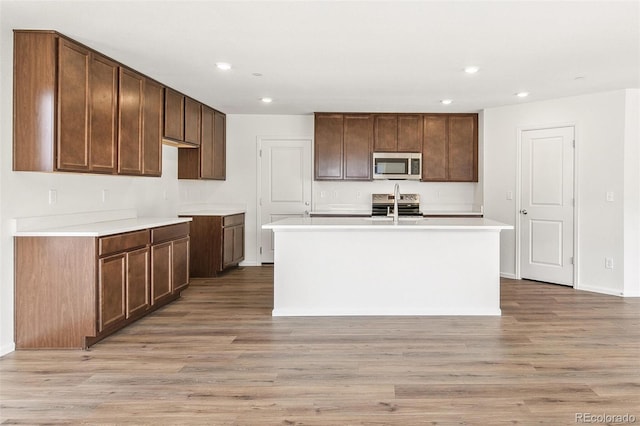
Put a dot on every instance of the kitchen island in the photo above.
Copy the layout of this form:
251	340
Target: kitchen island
371	266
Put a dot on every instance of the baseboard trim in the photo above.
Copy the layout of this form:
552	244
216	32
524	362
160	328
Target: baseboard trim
508	275
249	263
600	290
7	349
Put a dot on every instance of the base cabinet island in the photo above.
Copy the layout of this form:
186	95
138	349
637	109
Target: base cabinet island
75	285
371	266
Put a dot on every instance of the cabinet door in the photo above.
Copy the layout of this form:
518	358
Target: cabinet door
220	146
137	282
238	243
357	147
180	264
191	121
463	148
130	122
152	121
434	151
111	285
173	115
385	133
207	148
227	246
328	146
73	107
103	114
409	133
160	271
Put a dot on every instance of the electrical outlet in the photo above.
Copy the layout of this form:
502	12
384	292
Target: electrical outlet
335	194
608	263
53	196
323	194
358	195
105	195
610	196
509	195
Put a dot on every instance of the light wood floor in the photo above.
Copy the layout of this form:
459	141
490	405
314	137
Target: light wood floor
217	357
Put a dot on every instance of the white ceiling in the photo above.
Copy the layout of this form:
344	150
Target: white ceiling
357	55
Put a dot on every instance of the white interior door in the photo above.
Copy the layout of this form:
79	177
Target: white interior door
285	185
546	205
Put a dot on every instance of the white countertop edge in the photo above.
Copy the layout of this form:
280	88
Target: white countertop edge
344	224
99	229
211	212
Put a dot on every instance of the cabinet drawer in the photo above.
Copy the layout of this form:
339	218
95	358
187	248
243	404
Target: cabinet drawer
236	219
122	242
171	232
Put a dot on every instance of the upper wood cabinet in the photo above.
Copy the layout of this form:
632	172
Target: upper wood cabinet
182	120
450	148
409	132
173	115
343	144
139	120
397	133
192	121
208	160
357	146
65	106
152	122
76	110
328	146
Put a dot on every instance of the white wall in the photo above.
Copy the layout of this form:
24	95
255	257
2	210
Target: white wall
600	137
239	189
632	194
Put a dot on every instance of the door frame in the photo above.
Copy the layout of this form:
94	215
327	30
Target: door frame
259	141
576	257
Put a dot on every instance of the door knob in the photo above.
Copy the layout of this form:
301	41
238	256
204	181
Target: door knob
523	211
306	203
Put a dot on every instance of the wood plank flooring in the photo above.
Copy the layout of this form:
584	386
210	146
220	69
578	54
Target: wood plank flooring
217	357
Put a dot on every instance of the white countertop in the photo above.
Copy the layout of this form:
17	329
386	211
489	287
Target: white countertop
212	212
384	223
99	229
451	213
340	213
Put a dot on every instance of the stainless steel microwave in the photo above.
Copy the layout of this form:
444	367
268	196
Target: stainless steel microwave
397	165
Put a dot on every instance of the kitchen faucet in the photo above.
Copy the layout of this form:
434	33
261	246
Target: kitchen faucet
396	197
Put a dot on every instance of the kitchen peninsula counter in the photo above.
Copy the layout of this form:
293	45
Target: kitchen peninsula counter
371	266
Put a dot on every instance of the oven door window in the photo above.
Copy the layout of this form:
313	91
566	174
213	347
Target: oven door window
391	166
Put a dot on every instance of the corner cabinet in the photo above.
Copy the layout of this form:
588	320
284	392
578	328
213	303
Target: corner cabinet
217	243
76	110
343	146
208	160
83	289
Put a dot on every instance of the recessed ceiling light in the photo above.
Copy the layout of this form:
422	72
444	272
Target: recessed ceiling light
471	69
446	101
224	66
522	94
266	100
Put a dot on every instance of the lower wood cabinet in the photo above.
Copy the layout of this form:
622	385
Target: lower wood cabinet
81	289
217	243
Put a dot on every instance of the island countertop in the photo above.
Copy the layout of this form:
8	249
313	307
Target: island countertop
385	223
